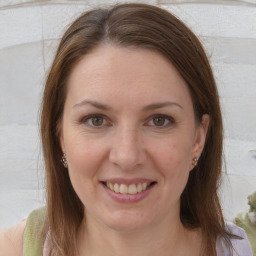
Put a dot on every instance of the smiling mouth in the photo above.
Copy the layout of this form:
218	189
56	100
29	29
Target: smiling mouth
131	189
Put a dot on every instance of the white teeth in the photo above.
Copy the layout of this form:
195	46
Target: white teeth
131	189
116	188
139	187
123	189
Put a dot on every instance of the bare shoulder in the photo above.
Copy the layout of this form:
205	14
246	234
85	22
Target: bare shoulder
11	240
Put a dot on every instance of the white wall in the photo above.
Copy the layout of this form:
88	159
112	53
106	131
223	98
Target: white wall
29	32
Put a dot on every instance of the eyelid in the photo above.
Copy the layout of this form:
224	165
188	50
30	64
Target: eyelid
169	118
85	120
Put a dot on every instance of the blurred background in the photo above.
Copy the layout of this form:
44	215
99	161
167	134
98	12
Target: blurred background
29	33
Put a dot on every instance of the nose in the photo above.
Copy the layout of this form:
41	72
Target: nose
127	149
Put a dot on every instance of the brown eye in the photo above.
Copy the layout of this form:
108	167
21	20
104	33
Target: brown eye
159	121
97	121
94	121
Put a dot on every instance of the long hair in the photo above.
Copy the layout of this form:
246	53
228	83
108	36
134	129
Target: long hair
147	27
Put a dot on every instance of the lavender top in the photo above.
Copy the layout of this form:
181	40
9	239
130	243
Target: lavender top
241	247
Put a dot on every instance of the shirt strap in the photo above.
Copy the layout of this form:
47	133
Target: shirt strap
34	234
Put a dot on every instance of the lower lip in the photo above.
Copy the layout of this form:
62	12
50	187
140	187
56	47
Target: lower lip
127	198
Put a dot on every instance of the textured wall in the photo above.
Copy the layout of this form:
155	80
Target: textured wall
29	32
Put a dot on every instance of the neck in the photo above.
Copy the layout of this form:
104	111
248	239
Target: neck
100	240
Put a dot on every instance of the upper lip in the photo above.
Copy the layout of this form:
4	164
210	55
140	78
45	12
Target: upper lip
127	181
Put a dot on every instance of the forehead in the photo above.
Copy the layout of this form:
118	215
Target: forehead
127	74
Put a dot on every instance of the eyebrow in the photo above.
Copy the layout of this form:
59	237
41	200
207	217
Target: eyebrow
94	104
161	105
108	108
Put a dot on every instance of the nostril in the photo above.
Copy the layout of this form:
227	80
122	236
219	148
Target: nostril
127	157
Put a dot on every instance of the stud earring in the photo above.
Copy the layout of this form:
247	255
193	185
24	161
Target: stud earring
194	161
64	160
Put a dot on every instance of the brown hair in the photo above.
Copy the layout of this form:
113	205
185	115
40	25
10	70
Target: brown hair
149	27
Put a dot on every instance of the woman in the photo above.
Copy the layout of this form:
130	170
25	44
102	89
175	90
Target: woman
131	108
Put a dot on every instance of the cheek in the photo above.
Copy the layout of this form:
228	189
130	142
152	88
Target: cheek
84	163
172	157
84	158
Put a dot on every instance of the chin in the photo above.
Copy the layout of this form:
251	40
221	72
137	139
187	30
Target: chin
127	221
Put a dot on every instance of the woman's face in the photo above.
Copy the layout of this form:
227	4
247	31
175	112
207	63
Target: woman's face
130	135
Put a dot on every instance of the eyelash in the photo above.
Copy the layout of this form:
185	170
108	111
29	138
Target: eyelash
151	118
166	117
87	118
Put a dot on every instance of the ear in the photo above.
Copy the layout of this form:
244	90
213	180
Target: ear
200	136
